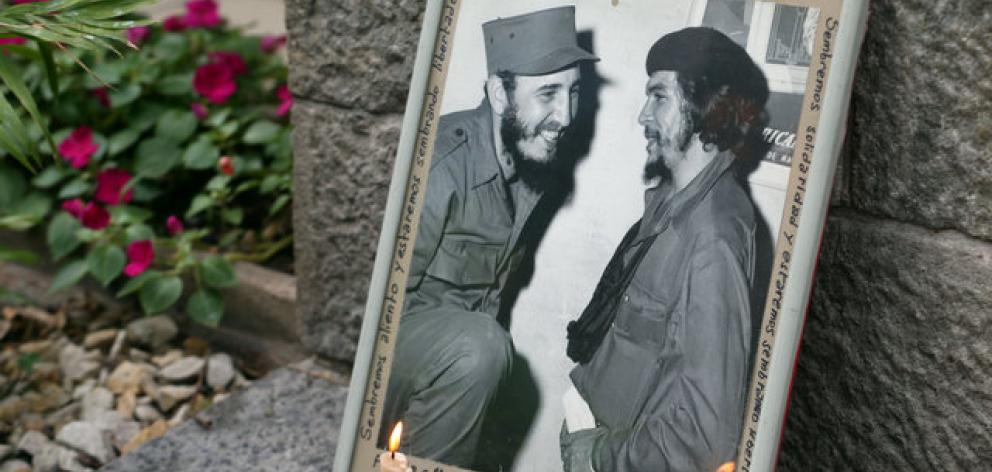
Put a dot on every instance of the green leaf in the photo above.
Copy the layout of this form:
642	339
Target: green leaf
200	203
177	125
69	275
32	209
61	235
18	256
218	182
174	85
202	154
13	185
138	232
109	73
122	140
74	189
124	214
218	117
145	192
124	95
206	307
12	79
279	204
148	114
234	216
106	262
261	132
270	183
138	282
49	177
156	157
217	272
12	133
160	293
51	72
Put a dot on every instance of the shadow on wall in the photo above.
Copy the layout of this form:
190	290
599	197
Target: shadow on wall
510	419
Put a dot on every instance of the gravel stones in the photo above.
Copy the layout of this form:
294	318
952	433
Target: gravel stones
88	438
153	332
183	369
220	371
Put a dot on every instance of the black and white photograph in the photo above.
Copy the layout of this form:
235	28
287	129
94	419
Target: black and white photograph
596	236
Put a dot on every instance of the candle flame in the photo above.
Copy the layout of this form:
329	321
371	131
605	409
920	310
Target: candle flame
394	437
727	467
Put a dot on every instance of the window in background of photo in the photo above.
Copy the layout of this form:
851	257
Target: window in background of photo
791	38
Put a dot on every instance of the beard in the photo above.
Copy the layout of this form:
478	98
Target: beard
669	146
540	174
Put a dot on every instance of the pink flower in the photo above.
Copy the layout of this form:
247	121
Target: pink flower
74	207
95	216
78	147
109	185
18	2
13	40
101	96
174	23
174	225
215	82
285	100
226	165
202	13
199	110
140	255
271	44
138	34
231	60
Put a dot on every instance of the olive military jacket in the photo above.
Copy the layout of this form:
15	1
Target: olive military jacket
670	377
468	236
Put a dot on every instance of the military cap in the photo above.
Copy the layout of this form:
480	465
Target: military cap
535	43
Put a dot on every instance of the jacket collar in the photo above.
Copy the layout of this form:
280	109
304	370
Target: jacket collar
663	208
480	136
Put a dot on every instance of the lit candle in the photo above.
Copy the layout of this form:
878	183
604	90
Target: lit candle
727	467
394	439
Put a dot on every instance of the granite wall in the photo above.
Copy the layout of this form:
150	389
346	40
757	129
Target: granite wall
896	365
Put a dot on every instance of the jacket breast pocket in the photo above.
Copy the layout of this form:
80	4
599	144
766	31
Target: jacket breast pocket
645	317
465	263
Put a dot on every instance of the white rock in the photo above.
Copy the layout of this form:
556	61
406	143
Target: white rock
179	416
49	459
76	364
33	442
123	433
82	389
96	402
183	369
107	421
15	465
220	371
170	395
126	376
87	437
147	413
153	332
169	357
115	349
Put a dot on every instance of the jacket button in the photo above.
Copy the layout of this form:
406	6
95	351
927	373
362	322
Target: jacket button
459	132
626	298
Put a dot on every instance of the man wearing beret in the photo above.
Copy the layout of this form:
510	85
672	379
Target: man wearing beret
487	174
664	346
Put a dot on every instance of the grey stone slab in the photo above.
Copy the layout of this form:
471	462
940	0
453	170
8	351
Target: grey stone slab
287	422
895	371
921	141
354	54
343	165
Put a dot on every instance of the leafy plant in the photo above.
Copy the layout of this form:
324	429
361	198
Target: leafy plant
93	25
169	162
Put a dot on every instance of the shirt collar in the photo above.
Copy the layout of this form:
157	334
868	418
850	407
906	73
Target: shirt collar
663	208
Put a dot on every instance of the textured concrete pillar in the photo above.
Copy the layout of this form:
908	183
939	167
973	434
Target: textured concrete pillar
896	365
350	65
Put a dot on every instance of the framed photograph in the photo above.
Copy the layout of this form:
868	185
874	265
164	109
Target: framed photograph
597	249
